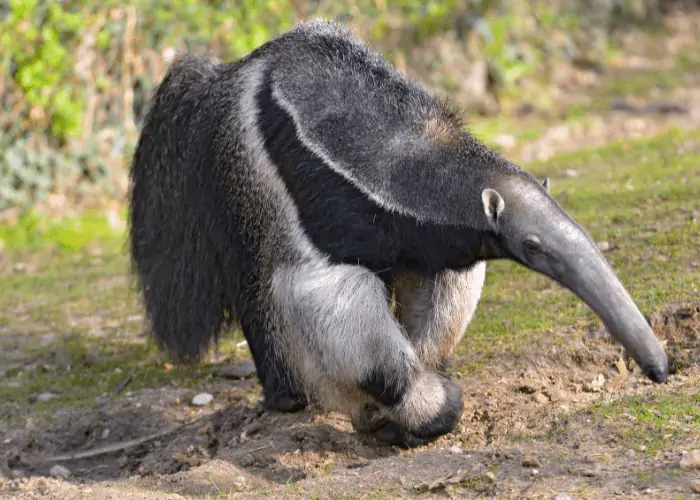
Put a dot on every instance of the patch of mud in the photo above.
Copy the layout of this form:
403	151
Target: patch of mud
515	409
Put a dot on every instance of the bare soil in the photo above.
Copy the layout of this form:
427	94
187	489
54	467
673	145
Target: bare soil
521	415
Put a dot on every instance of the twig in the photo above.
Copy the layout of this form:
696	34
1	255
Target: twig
259	448
125	381
111	448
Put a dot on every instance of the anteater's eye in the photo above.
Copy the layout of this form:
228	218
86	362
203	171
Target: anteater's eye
532	244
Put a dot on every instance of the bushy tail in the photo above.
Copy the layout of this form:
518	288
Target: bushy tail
172	254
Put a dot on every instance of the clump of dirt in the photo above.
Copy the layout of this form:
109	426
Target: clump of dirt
679	326
517	411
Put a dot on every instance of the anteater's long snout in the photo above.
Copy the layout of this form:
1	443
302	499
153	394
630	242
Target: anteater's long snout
594	281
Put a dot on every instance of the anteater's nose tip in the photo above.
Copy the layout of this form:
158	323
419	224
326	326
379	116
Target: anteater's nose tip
657	371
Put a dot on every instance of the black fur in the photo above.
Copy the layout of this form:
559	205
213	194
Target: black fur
371	120
388	392
344	223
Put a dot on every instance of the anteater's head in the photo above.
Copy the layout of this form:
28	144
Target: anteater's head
528	226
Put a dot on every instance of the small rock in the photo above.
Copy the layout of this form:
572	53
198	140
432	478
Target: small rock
47	339
596	384
46	396
603	246
202	399
491	476
691	460
540	398
589	472
455	450
695	485
562	496
105	434
535	472
571	173
60	472
238	370
253	428
530	461
16	473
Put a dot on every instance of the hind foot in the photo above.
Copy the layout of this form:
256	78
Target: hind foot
283	396
287	403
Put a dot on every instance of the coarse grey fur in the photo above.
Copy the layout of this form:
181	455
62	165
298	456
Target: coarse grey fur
294	191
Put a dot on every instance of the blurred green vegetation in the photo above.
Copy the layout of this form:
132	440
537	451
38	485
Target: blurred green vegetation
76	74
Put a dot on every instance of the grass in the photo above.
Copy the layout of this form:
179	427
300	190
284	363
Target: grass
652	423
70	324
32	232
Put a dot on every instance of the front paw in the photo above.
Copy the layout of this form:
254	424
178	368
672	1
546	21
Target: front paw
395	435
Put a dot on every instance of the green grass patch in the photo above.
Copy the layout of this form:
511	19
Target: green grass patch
33	231
652	423
74	327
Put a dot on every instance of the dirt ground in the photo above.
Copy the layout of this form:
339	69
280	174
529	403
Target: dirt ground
521	436
565	417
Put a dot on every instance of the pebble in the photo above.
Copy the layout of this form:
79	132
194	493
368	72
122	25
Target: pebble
530	461
455	450
202	399
238	370
603	246
252	428
691	460
695	486
60	472
105	434
491	476
540	398
46	396
562	496
596	384
535	472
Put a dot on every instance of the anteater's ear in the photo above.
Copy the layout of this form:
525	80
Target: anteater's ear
546	184
493	205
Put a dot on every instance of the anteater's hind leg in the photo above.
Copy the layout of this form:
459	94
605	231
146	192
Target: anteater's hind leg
281	389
